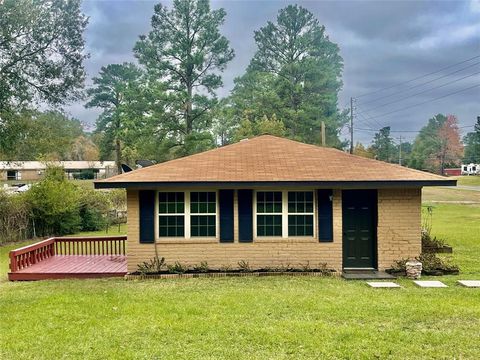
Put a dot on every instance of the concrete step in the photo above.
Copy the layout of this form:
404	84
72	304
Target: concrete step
366	275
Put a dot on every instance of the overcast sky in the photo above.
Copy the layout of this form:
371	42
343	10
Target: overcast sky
383	43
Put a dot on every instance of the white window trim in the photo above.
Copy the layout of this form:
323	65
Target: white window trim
186	217
284	214
255	213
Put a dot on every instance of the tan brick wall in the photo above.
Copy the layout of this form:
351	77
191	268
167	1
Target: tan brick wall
260	253
399	225
24	174
398	233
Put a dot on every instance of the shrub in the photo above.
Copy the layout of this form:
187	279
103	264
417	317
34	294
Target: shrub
177	268
55	204
152	266
244	266
432	264
202	268
15	221
94	206
430	244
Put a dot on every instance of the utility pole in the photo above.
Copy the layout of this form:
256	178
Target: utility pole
323	133
351	125
400	152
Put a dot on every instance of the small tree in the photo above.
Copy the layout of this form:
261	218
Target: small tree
450	148
55	204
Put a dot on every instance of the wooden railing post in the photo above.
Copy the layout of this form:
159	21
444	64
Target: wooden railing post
13	262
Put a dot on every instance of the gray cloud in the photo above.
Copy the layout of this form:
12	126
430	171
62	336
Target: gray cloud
383	43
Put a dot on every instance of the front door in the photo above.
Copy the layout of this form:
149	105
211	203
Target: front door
359	211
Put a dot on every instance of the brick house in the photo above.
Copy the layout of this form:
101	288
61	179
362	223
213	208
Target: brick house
271	202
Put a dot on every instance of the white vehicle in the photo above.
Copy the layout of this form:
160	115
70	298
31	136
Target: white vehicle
471	169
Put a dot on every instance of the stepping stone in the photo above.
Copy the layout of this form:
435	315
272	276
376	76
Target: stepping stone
430	284
469	283
382	284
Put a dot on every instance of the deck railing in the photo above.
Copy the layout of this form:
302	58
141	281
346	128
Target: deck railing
66	246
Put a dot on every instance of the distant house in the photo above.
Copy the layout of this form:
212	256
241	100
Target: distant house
273	202
470	169
34	170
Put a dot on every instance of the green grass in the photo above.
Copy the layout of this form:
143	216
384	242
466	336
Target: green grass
250	318
459	226
468	180
449	194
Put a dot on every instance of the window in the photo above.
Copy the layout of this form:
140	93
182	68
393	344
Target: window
171	218
203	210
300	213
12	175
269	213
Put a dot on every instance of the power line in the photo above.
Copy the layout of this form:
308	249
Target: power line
423	102
423	91
407	131
421	84
419	77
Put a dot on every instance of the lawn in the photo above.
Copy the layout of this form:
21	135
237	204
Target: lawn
468	180
250	318
450	194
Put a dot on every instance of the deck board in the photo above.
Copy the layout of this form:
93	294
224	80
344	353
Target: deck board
74	266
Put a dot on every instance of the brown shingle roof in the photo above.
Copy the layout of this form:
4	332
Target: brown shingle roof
268	158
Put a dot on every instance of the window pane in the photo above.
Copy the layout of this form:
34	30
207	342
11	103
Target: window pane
203	225
171	226
300	225
203	203
162	208
171	203
269	225
212	207
300	202
269	202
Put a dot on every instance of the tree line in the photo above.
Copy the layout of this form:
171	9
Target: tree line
437	146
165	105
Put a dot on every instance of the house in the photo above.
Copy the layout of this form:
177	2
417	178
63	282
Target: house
34	170
272	202
470	169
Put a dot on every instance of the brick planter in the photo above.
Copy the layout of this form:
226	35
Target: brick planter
228	274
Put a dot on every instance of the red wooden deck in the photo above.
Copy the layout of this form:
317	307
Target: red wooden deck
60	258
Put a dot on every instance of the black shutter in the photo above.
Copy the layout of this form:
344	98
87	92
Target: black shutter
226	215
325	215
146	199
245	215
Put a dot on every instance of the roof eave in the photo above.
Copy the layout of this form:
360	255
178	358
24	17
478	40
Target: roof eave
360	184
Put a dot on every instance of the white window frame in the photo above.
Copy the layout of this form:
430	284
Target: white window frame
158	214
303	213
186	217
216	213
284	214
255	214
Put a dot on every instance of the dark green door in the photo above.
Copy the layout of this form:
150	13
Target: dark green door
359	209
